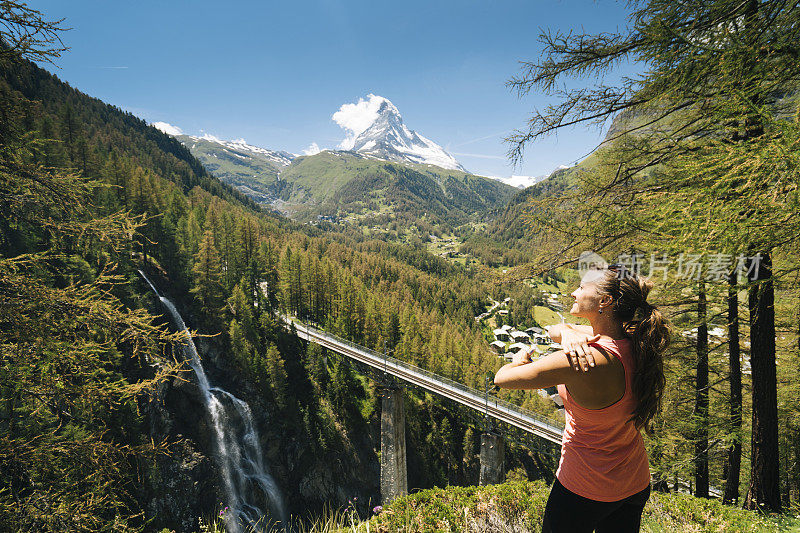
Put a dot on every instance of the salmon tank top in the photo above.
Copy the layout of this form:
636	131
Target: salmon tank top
603	457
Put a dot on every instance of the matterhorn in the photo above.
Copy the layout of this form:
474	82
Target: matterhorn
377	131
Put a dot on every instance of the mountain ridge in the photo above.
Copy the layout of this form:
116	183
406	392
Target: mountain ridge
341	184
336	183
389	139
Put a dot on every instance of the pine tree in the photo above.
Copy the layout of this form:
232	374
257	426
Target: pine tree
278	379
27	34
207	286
243	328
764	470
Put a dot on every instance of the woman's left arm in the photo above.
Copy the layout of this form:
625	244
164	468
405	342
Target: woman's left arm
547	371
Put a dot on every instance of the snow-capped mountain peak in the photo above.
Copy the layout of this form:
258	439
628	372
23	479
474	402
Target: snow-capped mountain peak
240	146
237	148
376	129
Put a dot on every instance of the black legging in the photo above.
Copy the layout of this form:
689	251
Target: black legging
566	512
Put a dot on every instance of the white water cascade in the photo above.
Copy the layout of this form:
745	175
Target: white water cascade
247	483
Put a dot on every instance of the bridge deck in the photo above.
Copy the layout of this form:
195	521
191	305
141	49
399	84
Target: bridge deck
473	398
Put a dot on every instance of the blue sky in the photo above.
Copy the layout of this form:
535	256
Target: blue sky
273	73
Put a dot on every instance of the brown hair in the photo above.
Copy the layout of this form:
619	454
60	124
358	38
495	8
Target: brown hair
650	333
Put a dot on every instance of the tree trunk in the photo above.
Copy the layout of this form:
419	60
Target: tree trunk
763	492
795	496
785	476
701	398
733	459
794	467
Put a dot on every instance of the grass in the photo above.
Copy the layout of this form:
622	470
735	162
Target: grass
518	506
545	316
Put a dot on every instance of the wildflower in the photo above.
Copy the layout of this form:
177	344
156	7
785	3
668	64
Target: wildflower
377	509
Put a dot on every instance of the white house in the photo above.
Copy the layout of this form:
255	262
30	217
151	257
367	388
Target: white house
500	334
518	346
540	338
519	336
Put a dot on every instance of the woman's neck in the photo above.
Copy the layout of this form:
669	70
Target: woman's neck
606	324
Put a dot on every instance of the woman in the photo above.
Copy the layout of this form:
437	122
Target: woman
603	478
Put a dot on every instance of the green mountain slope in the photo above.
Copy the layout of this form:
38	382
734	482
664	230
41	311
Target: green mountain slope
346	185
253	171
94	131
507	239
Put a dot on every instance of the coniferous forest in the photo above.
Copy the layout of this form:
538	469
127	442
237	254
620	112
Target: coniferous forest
92	194
102	424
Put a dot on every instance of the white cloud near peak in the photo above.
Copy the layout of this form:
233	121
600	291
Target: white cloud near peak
167	128
356	118
312	149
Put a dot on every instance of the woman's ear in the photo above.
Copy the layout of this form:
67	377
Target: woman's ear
606	300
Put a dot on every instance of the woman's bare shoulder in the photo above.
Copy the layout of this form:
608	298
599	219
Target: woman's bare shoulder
601	354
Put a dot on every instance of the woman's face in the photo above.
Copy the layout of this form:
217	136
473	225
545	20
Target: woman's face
587	297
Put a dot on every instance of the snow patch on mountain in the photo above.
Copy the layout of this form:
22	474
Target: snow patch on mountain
167	128
207	137
520	182
523	182
375	129
242	149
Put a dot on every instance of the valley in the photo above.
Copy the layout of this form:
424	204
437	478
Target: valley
151	378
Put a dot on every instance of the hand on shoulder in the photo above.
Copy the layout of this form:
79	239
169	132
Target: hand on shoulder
576	346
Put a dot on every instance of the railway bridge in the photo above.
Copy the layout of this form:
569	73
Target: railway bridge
393	450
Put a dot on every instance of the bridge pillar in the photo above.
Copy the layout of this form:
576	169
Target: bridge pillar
394	474
492	459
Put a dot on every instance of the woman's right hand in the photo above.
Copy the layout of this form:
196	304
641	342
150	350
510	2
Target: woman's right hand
576	346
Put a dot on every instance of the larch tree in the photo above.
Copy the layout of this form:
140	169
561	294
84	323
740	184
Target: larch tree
701	396
700	133
733	454
66	333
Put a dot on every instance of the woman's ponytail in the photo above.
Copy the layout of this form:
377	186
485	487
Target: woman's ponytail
650	334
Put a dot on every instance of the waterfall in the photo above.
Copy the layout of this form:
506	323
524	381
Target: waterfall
244	475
